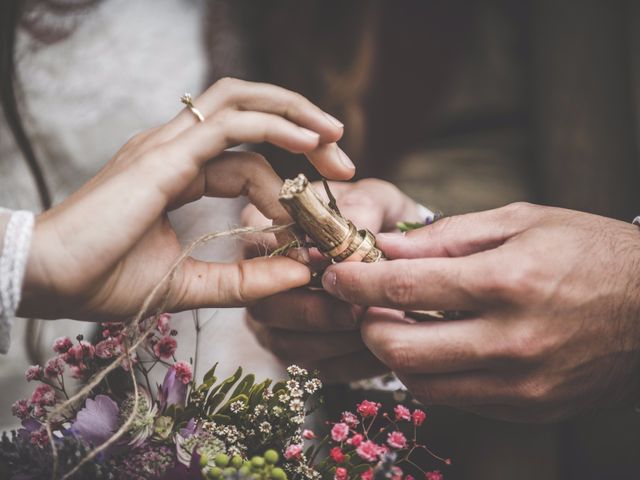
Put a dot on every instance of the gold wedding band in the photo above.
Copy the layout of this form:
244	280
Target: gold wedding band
188	102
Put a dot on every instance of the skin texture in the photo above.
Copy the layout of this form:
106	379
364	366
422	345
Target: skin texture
553	302
316	329
98	254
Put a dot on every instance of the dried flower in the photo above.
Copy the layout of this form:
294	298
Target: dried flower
340	432
293	451
108	348
402	413
62	344
34	372
418	417
76	354
396	440
43	395
369	451
164	324
54	367
20	409
337	455
184	373
165	347
368	409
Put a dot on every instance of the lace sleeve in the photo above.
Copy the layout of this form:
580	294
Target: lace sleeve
15	228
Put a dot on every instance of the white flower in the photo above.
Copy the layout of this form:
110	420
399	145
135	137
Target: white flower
296	405
296	392
265	427
237	406
284	398
312	386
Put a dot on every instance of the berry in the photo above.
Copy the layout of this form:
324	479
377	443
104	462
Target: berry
271	457
221	460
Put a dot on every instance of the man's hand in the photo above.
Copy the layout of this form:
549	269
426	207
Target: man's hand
553	298
311	327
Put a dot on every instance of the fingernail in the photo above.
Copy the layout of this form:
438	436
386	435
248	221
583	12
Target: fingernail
329	281
311	133
334	120
346	161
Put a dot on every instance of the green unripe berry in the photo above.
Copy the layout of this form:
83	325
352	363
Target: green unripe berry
255	476
229	471
204	460
214	473
257	462
278	474
236	461
271	457
221	460
245	470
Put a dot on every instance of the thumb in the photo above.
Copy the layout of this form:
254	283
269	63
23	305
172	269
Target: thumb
207	284
460	235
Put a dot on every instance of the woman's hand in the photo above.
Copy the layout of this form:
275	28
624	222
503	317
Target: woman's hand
98	254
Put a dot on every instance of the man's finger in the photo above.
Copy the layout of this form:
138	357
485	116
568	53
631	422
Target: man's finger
204	284
462	234
423	284
429	347
307	311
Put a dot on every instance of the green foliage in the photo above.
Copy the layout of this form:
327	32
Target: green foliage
408	226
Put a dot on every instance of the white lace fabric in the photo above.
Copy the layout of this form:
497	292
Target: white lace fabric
17	234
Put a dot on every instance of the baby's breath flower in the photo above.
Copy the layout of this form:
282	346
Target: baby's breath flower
265	427
237	406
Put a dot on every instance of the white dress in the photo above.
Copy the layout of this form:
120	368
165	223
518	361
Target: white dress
121	70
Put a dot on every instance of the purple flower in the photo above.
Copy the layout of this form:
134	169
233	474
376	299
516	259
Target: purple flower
172	391
97	421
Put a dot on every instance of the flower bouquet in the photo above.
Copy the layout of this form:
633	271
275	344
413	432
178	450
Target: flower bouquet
235	428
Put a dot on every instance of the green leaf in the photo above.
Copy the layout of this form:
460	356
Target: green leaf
360	469
245	385
408	226
219	392
256	393
210	374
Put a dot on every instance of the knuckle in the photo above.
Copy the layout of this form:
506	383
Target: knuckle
525	346
225	85
398	357
401	288
534	390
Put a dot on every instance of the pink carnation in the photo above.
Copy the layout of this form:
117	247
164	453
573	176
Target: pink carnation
368	409
418	417
350	419
164	324
20	409
34	372
369	451
165	347
183	370
402	413
341	474
293	451
43	395
397	440
434	475
340	432
54	367
62	344
308	434
355	440
337	455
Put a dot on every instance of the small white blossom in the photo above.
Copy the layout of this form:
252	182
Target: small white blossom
312	386
298	419
296	371
265	427
259	410
284	398
296	405
296	393
237	406
277	411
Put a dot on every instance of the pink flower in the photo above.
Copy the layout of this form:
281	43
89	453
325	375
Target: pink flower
409	477
350	419
108	348
54	367
396	473
78	371
340	432
43	395
62	344
355	440
308	434
39	412
293	451
418	417
78	353
337	455
397	440
40	438
20	409
34	372
369	451
165	347
183	370
112	329
402	413
341	474
368	409
164	324
434	475
368	475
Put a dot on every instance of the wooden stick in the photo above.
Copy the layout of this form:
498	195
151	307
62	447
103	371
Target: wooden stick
335	236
